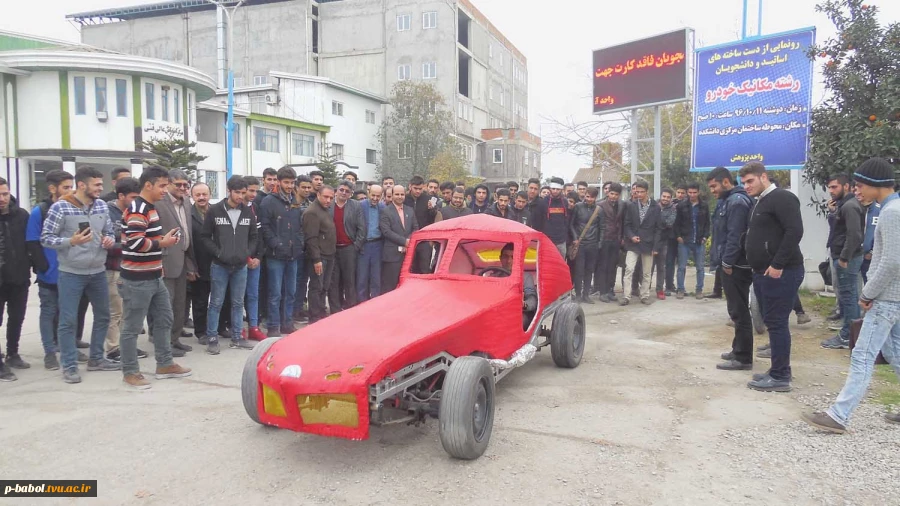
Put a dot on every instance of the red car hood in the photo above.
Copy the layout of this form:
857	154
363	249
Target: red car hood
351	350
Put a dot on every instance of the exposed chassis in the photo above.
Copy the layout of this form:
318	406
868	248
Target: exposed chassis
397	385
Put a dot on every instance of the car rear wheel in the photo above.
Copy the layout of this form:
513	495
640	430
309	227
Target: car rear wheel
567	335
250	381
467	408
756	314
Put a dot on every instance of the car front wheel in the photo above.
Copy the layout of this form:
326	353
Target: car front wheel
467	408
567	335
250	381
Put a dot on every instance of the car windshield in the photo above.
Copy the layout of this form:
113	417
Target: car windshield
483	258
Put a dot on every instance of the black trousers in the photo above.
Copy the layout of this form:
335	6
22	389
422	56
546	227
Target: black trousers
263	310
659	263
14	299
390	276
199	293
342	290
605	278
318	287
717	286
585	264
737	294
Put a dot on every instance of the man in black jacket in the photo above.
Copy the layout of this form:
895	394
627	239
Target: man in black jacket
501	209
320	237
457	207
536	208
611	244
643	228
556	226
691	234
425	211
846	236
15	276
282	233
669	215
199	289
230	234
350	232
772	245
729	258
397	223
586	234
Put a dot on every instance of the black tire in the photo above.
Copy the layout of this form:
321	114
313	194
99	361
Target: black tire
756	315
567	335
467	408
249	381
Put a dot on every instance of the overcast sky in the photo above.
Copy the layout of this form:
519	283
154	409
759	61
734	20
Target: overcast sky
557	38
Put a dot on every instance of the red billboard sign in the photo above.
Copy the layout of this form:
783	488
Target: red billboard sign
642	73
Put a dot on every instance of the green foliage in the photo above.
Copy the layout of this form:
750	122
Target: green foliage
448	164
420	125
327	164
173	152
860	118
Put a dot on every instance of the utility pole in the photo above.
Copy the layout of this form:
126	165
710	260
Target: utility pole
229	121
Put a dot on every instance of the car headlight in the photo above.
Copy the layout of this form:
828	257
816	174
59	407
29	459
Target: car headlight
329	409
291	371
272	403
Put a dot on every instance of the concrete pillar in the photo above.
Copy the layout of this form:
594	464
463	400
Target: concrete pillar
137	167
69	164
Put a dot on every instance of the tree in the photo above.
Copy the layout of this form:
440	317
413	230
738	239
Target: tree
860	117
448	164
418	128
173	152
327	165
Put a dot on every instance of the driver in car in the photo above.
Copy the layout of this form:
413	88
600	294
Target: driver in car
505	270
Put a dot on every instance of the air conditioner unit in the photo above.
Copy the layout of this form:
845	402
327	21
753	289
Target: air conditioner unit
102	116
271	99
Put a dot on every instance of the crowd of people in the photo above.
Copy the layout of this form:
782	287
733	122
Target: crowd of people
155	255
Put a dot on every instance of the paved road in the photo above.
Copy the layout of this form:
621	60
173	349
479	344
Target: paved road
644	420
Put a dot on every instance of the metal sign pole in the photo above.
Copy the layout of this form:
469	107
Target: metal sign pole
657	152
634	145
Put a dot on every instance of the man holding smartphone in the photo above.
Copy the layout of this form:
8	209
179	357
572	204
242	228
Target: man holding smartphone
79	228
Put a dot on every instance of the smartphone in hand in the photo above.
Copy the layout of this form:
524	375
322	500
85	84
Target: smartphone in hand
83	226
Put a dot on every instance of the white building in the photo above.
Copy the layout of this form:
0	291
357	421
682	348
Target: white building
289	120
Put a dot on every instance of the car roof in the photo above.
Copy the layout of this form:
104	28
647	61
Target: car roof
480	223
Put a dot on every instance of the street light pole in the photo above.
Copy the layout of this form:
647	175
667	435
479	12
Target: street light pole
229	120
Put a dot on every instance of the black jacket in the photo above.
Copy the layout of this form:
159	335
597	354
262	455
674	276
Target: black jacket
774	232
613	220
580	217
537	213
424	216
729	228
495	211
319	232
282	228
684	223
847	229
202	255
450	212
229	246
354	222
649	230
556	225
15	263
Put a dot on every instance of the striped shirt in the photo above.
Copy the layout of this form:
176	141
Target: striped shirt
141	254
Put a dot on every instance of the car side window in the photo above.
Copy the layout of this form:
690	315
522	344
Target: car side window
477	258
427	256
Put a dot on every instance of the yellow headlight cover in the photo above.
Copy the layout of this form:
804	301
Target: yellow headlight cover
329	409
272	403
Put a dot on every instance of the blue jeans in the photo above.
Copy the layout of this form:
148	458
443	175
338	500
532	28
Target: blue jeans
71	287
776	303
880	332
279	270
142	300
49	318
848	292
698	253
368	271
221	278
253	296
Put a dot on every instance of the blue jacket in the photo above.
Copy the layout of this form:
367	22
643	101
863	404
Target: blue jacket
281	227
48	270
729	227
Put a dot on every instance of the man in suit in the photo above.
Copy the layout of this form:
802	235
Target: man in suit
643	229
179	266
350	238
397	223
368	270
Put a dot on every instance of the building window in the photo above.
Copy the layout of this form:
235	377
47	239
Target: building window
526	158
212	180
403	22
498	156
260	80
370	117
429	20
100	94
191	112
236	136
79	96
304	145
501	97
403	72
404	150
176	101
265	139
534	158
164	99
490	50
429	70
337	150
337	108
150	99
121	98
370	156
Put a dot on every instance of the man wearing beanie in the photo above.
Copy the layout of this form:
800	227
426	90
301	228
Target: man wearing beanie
880	299
772	245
